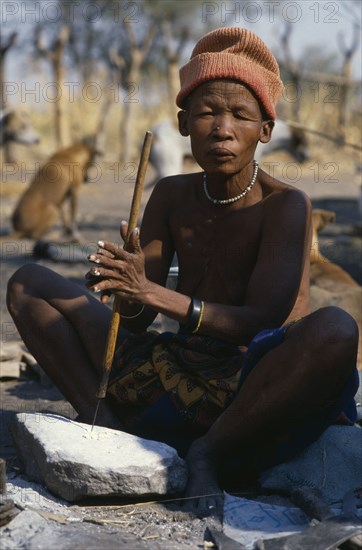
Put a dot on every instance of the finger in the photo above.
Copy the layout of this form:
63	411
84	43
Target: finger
110	285
107	248
124	230
108	263
99	256
90	277
105	296
103	273
134	241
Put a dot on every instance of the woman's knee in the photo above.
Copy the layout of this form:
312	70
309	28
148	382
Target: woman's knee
338	334
329	336
339	326
21	284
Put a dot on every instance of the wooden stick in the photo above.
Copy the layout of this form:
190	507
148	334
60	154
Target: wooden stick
132	223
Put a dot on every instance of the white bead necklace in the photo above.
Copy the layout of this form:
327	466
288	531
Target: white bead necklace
238	197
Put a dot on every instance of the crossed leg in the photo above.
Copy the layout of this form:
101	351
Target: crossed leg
65	328
300	380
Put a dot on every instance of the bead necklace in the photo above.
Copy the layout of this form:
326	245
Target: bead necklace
233	199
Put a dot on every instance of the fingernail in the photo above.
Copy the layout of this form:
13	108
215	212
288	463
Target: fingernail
95	289
96	272
94	259
100	243
136	231
123	222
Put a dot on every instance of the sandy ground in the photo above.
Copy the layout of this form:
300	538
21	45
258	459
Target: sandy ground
103	203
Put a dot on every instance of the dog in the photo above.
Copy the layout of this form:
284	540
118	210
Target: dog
330	285
16	127
324	273
58	181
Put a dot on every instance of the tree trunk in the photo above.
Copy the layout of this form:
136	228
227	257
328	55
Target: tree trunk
130	105
62	132
9	148
60	106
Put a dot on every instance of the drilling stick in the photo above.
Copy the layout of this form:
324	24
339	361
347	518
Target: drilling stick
116	315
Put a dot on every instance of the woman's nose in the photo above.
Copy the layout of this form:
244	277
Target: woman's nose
222	128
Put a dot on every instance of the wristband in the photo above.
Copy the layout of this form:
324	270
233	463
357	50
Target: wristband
200	318
195	315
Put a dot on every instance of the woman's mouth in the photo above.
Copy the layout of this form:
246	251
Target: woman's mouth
221	153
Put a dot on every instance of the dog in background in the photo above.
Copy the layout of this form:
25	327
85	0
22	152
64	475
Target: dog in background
57	182
16	127
324	273
330	284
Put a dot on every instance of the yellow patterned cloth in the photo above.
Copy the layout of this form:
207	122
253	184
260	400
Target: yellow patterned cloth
172	387
200	375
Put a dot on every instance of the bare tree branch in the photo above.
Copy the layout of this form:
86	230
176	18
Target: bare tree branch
148	41
348	52
39	44
116	60
130	33
8	43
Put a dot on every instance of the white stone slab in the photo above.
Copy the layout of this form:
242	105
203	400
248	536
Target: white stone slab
75	463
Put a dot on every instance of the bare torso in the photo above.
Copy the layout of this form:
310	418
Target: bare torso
218	246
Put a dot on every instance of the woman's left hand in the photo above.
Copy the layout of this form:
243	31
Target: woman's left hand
118	270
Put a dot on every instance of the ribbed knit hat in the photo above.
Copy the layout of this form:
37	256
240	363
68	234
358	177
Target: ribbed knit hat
238	54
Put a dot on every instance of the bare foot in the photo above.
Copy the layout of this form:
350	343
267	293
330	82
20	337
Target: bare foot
204	496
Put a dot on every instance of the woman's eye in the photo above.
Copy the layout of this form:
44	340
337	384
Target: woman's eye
205	113
243	115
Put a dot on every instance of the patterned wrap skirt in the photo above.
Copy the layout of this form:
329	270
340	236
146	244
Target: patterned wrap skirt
172	387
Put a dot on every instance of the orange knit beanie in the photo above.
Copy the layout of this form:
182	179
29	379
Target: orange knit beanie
238	54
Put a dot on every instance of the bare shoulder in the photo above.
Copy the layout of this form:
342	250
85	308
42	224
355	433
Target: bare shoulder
177	184
168	194
280	197
172	189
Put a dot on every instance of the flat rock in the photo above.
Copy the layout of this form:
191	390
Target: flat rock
31	531
75	463
332	464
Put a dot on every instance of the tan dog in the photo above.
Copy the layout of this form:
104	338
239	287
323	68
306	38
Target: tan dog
325	273
330	284
57	182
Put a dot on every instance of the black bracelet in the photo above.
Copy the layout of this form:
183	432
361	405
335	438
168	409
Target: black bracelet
194	315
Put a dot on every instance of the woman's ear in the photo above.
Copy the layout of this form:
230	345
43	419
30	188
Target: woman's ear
266	131
182	123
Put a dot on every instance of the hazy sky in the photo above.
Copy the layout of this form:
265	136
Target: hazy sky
314	22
